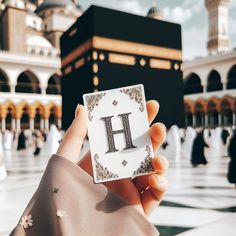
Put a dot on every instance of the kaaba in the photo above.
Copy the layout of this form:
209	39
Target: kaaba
107	49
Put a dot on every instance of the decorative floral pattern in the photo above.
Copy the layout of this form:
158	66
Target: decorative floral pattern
60	213
114	102
26	221
91	102
146	165
102	173
124	163
136	94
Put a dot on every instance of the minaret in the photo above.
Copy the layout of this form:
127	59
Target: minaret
13	24
218	39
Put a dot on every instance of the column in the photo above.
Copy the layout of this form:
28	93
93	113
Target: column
194	120
13	124
59	123
206	120
12	88
43	90
234	119
41	124
31	124
219	119
17	124
224	85
3	124
204	88
46	124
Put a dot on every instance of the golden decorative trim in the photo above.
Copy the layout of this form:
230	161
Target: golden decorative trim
95	55
176	66
160	64
135	48
101	57
68	69
122	46
95	81
95	68
142	62
77	52
121	59
79	63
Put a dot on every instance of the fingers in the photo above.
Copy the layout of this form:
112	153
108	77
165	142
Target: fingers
160	165
152	110
73	139
158	135
152	197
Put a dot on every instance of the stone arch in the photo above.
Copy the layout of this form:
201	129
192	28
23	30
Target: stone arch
8	105
192	84
54	85
188	111
53	113
4	82
28	82
213	107
39	114
8	111
25	115
227	107
231	78
199	112
214	81
203	104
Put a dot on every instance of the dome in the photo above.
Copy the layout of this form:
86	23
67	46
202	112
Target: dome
154	12
38	41
53	4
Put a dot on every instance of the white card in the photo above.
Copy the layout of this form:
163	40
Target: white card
118	127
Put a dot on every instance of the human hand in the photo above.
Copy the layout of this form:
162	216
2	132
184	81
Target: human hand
144	192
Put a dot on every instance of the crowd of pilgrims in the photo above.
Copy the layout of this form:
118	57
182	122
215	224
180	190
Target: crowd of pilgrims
35	140
196	145
189	144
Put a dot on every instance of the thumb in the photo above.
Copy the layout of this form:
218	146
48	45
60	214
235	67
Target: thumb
74	137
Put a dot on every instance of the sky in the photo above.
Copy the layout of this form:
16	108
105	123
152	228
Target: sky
191	14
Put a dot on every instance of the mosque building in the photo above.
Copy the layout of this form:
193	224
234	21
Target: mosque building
210	82
30	65
30	61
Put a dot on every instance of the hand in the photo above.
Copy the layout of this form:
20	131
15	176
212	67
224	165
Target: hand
154	185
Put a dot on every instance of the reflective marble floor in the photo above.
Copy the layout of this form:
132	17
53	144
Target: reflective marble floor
199	201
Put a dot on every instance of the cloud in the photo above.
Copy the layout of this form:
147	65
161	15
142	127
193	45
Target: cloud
181	14
177	14
194	42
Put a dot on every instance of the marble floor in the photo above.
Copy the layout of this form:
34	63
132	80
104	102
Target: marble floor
199	200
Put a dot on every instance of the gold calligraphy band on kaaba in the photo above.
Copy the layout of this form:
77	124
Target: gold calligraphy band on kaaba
160	64
116	45
77	52
121	59
79	63
121	46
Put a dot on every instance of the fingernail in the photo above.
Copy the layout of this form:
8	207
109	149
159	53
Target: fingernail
165	161
157	103
162	125
77	110
159	180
